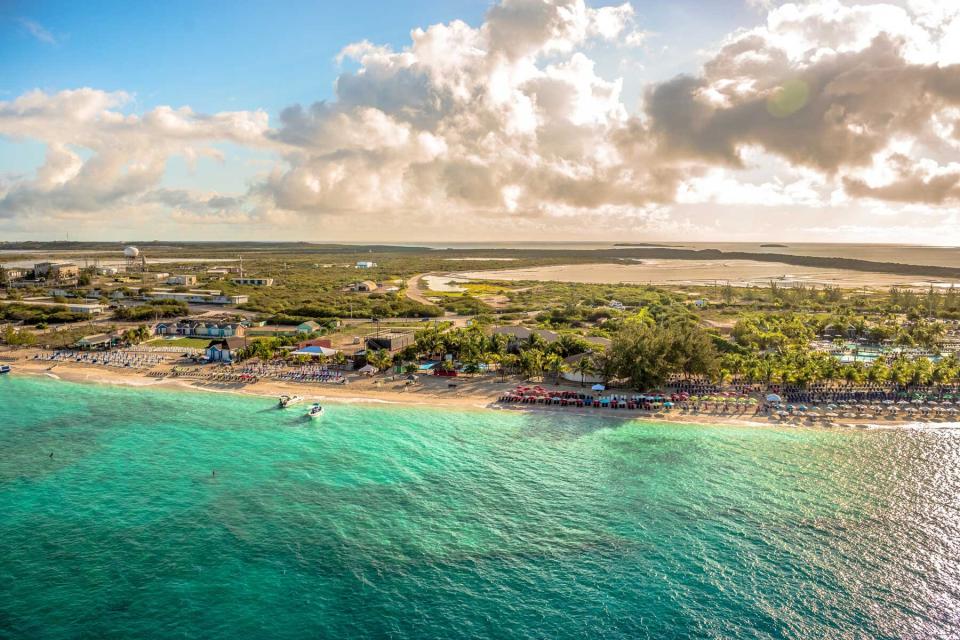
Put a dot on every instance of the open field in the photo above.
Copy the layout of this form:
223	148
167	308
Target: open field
740	273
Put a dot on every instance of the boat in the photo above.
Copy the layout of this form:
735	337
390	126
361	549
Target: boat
4	368
286	401
315	411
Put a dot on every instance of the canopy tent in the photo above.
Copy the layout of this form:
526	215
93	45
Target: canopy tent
315	351
598	387
774	398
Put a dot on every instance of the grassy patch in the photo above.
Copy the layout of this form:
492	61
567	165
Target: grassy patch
192	343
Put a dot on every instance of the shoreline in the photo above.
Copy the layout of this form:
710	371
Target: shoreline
477	394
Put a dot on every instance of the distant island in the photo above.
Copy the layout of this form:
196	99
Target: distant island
642	244
777	246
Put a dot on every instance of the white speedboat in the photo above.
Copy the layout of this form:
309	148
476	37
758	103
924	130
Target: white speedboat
286	401
315	411
4	368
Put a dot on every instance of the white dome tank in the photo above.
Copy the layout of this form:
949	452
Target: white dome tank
131	252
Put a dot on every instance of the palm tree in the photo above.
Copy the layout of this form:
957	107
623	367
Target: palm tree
531	362
554	363
380	359
508	362
583	366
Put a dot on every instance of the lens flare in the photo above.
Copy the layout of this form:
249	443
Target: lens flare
789	98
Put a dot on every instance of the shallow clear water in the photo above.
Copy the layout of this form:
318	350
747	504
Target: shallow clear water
417	523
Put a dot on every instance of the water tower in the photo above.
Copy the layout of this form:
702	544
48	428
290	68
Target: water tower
133	258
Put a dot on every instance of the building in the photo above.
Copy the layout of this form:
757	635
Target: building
253	282
199	329
598	341
516	335
75	307
56	271
13	274
316	352
366	285
365	264
571	375
392	342
272	330
222	271
224	350
98	341
197	296
155	276
183	281
308	327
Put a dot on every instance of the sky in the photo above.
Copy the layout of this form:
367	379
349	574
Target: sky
709	120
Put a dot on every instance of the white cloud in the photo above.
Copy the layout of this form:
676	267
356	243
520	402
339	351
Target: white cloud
37	30
827	104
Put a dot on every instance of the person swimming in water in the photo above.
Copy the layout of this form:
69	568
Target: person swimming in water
51	455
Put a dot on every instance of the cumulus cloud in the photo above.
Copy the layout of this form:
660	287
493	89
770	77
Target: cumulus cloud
98	156
825	103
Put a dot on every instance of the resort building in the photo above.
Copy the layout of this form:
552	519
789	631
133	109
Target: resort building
183	281
224	350
253	282
198	329
316	351
516	335
365	264
571	375
99	341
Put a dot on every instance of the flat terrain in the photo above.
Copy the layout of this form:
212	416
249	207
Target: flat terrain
707	272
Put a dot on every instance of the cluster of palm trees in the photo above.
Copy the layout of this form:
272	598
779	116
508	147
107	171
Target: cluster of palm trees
137	335
801	366
532	357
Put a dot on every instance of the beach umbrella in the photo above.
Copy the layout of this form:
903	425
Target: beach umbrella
772	397
598	387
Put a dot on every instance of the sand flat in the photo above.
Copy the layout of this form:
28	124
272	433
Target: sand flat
740	273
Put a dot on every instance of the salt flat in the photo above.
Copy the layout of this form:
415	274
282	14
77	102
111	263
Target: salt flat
740	273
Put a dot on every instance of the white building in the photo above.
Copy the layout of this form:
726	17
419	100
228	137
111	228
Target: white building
254	282
366	264
182	281
199	296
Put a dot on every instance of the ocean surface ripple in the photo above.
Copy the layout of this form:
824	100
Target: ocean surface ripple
400	522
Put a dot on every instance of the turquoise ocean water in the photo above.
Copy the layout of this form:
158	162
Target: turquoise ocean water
418	523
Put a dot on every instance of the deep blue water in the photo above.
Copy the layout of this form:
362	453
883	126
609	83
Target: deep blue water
415	523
